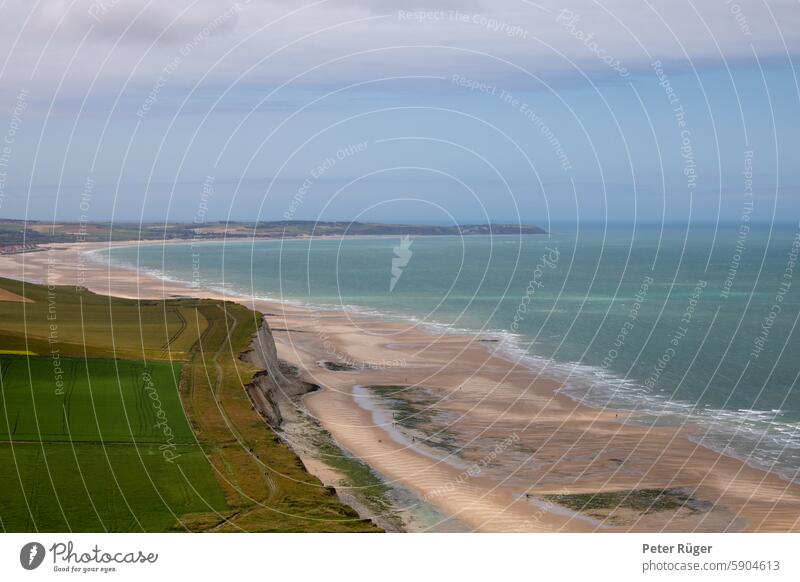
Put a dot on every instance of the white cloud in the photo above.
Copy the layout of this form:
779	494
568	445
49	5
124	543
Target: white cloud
133	40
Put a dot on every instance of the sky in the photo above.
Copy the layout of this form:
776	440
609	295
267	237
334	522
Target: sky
426	111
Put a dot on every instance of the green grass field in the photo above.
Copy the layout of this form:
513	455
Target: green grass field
91	401
133	416
98	445
103	487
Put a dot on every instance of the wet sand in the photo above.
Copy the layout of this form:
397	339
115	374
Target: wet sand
487	440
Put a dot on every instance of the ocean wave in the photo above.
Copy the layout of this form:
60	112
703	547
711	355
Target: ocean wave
760	438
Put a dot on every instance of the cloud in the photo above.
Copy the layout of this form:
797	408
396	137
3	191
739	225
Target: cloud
131	22
383	6
114	42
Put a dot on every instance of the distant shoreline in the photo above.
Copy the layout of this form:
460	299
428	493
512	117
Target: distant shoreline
23	236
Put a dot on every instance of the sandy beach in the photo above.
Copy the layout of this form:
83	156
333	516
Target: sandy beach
493	440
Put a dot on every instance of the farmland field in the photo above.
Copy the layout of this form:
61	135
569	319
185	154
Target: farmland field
106	447
123	415
103	487
84	324
91	400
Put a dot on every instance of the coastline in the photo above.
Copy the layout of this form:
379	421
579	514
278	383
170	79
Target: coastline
519	440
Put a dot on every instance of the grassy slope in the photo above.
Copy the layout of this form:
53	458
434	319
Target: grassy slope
264	481
231	473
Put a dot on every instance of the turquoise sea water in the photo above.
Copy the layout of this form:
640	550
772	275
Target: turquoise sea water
678	323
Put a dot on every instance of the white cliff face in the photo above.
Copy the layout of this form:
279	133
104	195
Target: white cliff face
272	391
265	388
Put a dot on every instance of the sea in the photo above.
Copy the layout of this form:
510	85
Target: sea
680	324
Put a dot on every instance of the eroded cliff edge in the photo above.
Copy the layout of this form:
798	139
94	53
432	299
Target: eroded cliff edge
276	392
